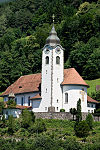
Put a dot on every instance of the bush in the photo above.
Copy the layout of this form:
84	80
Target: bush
73	111
22	133
27	118
62	110
11	103
17	124
3	131
81	129
89	120
38	127
10	124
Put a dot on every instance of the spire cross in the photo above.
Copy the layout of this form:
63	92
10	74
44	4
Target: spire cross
53	16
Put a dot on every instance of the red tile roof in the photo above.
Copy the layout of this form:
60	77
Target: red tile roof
18	106
25	84
90	100
38	96
30	83
71	76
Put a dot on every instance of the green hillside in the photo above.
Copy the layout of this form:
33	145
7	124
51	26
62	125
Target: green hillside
92	84
77	25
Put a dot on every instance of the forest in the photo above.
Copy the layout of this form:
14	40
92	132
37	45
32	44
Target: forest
25	25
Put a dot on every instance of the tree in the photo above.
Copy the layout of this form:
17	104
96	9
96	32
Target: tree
73	111
89	120
82	129
1	107
10	124
27	118
78	114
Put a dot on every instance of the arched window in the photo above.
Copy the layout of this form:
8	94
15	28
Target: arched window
57	60
66	97
47	60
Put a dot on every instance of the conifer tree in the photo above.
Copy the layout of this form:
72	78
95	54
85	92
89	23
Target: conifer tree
78	114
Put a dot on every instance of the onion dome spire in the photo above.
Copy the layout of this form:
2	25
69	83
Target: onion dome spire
53	39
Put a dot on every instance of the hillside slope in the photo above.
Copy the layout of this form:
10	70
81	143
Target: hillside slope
92	84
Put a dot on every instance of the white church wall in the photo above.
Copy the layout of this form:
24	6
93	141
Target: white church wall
46	81
73	96
58	71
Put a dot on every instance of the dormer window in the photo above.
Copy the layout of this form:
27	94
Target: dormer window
47	60
57	60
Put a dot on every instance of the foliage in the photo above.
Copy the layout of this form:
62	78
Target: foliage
25	25
28	118
96	95
10	124
62	110
38	127
82	129
1	107
11	103
89	120
78	114
73	111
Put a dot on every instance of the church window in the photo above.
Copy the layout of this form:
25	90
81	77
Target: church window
47	60
57	100
16	100
57	108
46	90
91	111
88	105
57	80
29	101
46	71
22	101
88	111
57	60
45	108
66	97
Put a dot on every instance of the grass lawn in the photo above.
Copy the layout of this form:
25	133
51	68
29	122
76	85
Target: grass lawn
92	84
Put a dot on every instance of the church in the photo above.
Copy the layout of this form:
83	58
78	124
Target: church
53	89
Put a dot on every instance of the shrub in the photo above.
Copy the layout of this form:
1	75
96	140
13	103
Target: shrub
27	118
73	111
62	110
81	129
22	132
17	124
38	127
44	142
10	124
89	120
11	103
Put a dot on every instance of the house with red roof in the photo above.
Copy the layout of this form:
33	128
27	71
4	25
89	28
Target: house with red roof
53	89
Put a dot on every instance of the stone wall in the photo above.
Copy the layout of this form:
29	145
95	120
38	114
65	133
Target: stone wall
57	115
61	115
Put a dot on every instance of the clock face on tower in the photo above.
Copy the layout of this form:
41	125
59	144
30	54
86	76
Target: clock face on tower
58	51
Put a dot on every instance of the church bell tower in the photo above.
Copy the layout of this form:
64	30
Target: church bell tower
52	73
